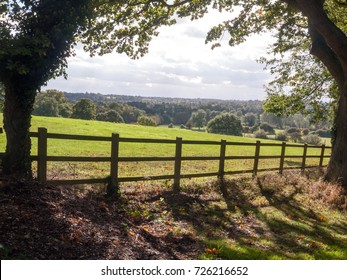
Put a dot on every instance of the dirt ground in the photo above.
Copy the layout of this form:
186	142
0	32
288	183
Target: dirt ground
46	222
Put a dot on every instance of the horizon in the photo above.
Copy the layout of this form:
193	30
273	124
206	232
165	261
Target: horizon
160	97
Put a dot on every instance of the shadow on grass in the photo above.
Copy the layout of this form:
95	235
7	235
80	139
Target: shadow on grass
263	219
272	217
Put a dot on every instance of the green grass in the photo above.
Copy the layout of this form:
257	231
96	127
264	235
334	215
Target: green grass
97	128
275	217
271	217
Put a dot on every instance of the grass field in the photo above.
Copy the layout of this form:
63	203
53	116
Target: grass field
97	128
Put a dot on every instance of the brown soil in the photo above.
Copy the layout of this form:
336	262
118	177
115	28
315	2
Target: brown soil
46	222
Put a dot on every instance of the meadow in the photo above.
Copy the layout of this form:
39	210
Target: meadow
66	170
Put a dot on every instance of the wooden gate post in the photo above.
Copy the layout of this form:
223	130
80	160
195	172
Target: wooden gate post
178	160
222	159
283	153
303	165
256	158
322	156
113	187
42	155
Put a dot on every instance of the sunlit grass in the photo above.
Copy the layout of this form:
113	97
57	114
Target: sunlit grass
94	148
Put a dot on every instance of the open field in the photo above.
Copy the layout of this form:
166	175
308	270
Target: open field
128	169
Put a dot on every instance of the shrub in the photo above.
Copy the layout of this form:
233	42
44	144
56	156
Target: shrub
170	125
267	128
146	121
282	136
225	123
246	129
295	136
323	133
293	130
260	134
312	139
189	124
110	116
305	131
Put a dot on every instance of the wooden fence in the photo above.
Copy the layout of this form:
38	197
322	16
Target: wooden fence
114	159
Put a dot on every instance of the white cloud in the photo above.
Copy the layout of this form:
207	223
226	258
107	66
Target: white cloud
178	64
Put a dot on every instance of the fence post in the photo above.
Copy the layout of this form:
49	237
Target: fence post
113	187
304	158
256	158
222	159
178	160
42	155
283	153
322	156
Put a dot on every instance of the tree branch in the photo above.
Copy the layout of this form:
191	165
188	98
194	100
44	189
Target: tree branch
324	53
318	18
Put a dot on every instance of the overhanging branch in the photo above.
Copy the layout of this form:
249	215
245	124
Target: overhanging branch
324	53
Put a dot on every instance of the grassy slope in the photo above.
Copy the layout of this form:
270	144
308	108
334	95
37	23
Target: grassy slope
97	128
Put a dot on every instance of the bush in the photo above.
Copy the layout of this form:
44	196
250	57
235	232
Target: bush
293	130
295	136
323	133
146	121
305	131
267	128
189	124
246	129
260	134
312	139
282	136
170	125
110	116
225	123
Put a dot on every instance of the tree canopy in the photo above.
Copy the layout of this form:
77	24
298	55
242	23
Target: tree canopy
225	123
84	109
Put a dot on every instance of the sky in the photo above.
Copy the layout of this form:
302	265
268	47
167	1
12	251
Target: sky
178	64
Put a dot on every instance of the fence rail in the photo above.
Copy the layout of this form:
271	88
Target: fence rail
114	159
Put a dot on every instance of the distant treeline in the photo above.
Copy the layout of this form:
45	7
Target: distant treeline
187	113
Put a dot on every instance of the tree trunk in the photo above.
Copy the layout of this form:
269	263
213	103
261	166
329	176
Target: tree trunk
337	168
17	116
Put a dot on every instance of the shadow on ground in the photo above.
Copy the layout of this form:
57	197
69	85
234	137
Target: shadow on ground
271	217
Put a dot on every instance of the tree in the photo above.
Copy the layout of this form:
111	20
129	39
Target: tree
110	116
84	109
146	121
267	128
225	123
37	37
1	98
52	103
322	24
199	118
250	119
